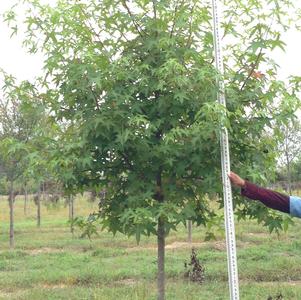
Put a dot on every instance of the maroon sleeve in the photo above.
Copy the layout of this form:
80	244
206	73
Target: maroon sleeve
268	197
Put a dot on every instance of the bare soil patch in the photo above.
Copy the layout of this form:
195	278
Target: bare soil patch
290	283
43	251
185	245
220	246
174	245
54	286
4	295
127	281
258	234
273	283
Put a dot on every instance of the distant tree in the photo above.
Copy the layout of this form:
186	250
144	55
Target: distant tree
290	147
26	136
14	134
135	85
25	197
189	226
39	164
296	168
71	212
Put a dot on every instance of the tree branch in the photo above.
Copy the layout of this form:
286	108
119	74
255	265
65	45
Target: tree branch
227	26
190	27
262	37
155	9
94	31
174	21
132	17
254	66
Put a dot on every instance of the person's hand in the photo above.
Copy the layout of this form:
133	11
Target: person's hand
236	180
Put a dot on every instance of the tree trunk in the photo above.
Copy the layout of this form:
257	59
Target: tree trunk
189	227
159	196
161	259
43	191
39	207
25	199
71	212
11	216
288	161
289	180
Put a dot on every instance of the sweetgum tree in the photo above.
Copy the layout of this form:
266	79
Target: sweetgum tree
27	137
136	82
17	133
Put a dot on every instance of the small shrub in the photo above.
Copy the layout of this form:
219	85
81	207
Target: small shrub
87	226
194	271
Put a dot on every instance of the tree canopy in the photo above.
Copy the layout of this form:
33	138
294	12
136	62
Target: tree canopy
134	84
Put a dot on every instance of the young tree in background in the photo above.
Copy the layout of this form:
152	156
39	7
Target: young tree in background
25	197
137	81
26	136
290	148
38	160
9	165
14	134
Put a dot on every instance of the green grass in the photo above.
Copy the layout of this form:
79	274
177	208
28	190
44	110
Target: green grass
48	263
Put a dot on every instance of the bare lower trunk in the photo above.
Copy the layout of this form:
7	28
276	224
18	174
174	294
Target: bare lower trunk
71	212
39	207
189	227
288	167
159	196
11	216
43	191
25	199
161	258
289	180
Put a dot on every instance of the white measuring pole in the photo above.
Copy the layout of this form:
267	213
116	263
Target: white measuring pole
225	159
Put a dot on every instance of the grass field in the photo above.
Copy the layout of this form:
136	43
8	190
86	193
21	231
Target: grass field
48	263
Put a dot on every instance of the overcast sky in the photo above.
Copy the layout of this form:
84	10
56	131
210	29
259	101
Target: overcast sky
15	60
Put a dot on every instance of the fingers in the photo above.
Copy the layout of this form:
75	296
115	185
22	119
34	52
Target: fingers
236	180
232	176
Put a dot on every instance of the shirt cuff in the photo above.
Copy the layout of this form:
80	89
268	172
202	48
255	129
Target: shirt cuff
295	206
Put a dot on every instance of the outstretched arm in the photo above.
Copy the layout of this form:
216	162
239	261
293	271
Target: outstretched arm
268	197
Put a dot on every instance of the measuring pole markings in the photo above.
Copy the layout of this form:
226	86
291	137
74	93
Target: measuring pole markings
225	161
